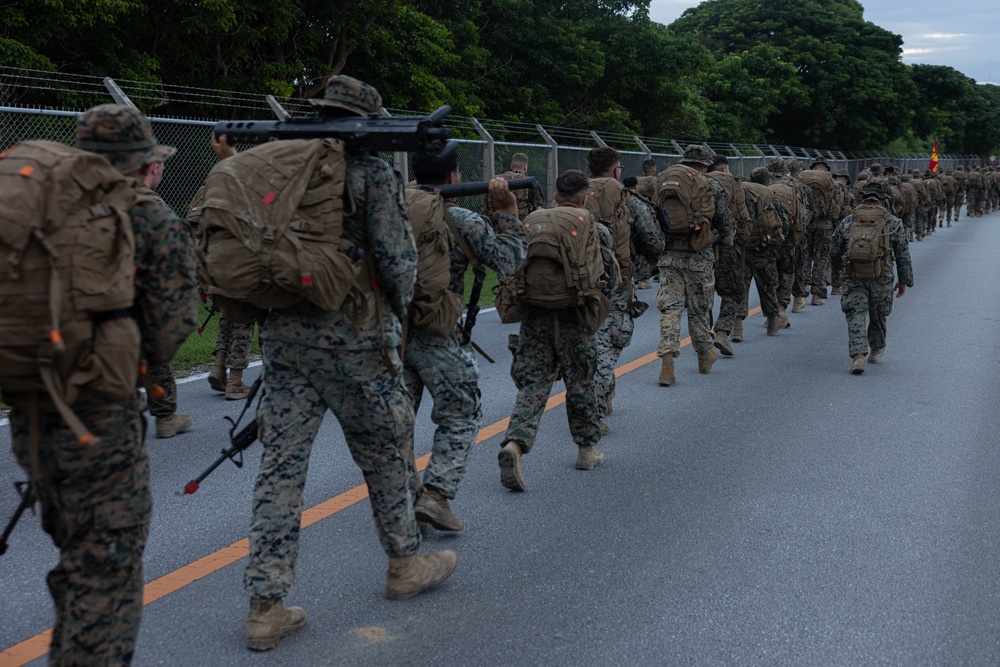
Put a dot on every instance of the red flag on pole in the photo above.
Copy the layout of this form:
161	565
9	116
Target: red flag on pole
934	159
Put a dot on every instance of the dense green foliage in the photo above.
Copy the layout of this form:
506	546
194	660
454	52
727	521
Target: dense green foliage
800	72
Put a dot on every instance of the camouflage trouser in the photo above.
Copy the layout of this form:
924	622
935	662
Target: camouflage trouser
762	267
909	221
166	405
449	371
553	345
918	221
867	304
687	280
611	339
96	505
816	259
641	268
730	276
375	413
791	269
234	339
973	198
949	205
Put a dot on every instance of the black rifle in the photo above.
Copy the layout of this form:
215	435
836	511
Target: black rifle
27	500
212	310
240	441
362	134
482	187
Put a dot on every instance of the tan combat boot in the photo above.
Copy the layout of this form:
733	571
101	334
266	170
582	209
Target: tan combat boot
667	370
706	359
798	304
235	389
269	621
168	427
432	507
776	323
818	300
876	354
722	343
217	376
858	365
605	429
588	458
410	575
737	335
510	466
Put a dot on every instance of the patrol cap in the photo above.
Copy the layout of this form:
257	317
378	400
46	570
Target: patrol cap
697	154
761	175
122	135
350	94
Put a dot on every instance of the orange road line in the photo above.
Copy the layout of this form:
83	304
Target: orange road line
35	647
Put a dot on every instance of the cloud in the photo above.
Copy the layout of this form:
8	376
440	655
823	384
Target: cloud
939	35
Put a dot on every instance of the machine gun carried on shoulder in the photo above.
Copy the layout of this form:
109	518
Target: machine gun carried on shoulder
362	134
240	441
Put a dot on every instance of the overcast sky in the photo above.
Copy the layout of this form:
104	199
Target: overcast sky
964	34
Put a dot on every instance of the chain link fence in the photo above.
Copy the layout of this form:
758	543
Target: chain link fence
550	150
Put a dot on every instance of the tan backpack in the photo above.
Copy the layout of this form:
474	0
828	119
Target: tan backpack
788	198
67	263
687	198
646	187
436	307
607	201
869	253
737	201
563	269
766	226
822	185
270	230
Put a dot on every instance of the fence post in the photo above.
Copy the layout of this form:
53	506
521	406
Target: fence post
276	107
552	160
597	138
489	152
644	147
117	94
399	162
738	154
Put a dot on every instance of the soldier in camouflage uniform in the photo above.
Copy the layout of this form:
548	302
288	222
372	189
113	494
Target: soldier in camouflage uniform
645	237
867	303
553	344
96	500
731	260
346	362
974	193
233	341
936	192
922	210
961	184
803	264
528	199
909	205
163	406
447	366
949	185
847	202
791	262
642	265
687	280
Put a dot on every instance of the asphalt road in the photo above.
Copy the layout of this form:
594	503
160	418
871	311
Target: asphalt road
778	511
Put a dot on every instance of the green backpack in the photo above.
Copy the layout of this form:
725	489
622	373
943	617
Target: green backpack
687	199
270	230
435	307
67	263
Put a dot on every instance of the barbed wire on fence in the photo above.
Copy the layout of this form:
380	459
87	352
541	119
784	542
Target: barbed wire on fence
58	98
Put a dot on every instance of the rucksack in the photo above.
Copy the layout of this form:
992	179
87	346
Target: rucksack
766	226
526	200
563	268
435	307
646	187
270	230
687	198
869	254
67	262
607	201
737	201
788	197
821	184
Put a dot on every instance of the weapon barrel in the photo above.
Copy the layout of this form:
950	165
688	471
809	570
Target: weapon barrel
482	187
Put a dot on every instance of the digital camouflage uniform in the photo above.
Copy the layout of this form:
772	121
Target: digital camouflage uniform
762	261
730	265
447	366
552	344
687	280
235	340
867	303
316	362
616	332
96	501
